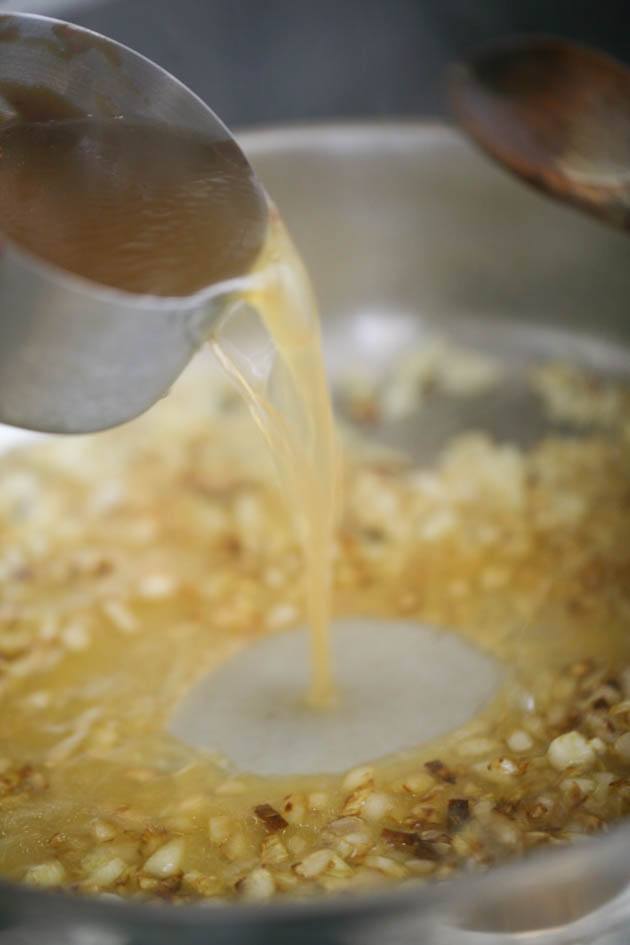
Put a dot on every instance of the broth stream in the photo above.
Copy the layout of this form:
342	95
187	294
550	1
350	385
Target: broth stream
292	407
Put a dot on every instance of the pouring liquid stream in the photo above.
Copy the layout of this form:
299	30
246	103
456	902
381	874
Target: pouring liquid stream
292	407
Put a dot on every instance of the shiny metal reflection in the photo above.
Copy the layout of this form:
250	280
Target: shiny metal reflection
76	356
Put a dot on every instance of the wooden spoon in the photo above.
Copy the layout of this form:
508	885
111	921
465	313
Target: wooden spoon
556	114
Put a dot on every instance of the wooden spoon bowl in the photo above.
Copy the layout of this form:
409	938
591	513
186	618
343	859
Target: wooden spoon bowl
556	114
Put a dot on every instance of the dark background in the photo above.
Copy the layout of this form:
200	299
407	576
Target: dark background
258	61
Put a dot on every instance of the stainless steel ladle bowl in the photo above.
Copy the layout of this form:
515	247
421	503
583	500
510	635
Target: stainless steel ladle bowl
76	356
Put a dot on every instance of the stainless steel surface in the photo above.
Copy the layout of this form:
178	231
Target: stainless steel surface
409	232
75	356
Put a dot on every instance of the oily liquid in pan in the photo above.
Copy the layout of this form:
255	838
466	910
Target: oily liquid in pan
94	794
150	210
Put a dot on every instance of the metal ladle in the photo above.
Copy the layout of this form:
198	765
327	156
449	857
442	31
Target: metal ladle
557	115
77	356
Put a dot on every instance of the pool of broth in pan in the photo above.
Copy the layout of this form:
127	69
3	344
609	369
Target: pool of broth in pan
125	563
156	551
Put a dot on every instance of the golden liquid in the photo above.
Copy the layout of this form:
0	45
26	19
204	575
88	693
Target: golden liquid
131	206
134	563
292	407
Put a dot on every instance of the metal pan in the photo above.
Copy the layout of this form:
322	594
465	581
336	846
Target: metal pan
408	231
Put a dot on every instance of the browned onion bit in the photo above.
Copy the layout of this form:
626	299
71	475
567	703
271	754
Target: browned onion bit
270	818
458	812
439	770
